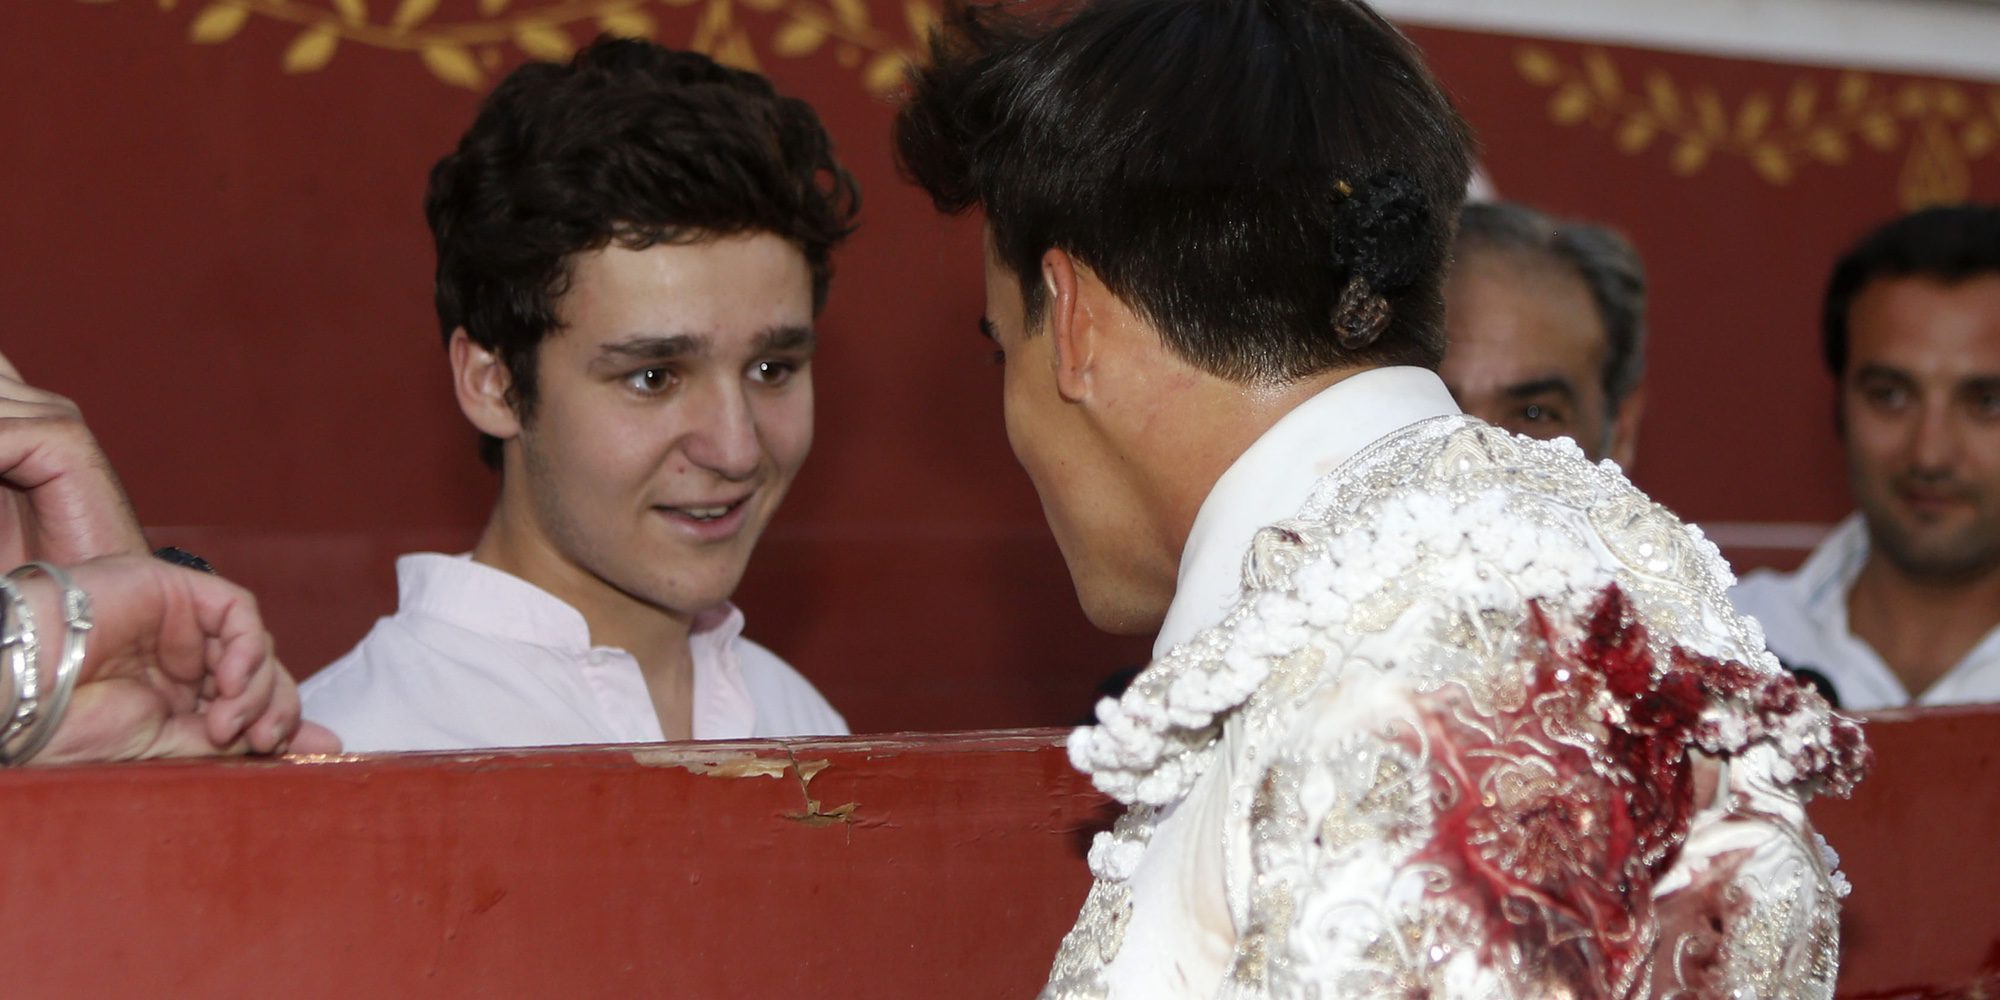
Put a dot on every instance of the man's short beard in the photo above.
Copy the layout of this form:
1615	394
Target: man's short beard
1966	556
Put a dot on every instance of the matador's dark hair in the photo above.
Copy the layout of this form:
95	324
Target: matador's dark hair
1271	183
628	143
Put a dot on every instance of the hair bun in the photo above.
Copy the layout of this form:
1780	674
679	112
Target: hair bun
1380	232
1360	315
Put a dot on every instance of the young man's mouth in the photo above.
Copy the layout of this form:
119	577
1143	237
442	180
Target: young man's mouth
708	518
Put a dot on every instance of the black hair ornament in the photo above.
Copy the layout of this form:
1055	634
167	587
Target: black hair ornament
1379	235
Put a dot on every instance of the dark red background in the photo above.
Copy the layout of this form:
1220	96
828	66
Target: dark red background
226	265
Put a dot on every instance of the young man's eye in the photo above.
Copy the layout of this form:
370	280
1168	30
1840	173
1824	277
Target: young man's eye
649	380
773	372
1537	413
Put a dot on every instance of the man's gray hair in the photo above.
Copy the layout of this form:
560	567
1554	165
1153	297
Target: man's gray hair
1606	262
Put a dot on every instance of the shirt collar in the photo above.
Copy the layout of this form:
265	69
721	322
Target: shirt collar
480	598
1826	578
1272	478
1829	573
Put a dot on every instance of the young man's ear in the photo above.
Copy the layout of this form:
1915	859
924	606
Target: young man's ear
1071	324
482	382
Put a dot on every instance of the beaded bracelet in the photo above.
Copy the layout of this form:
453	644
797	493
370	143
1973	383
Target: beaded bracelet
36	715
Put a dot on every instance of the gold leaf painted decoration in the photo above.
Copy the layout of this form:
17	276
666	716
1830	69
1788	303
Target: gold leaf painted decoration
922	19
1537	65
467	50
799	38
736	49
219	22
1942	128
312	50
884	74
543	41
626	23
453	64
852	13
411	13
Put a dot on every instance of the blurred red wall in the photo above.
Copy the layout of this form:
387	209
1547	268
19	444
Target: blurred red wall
214	244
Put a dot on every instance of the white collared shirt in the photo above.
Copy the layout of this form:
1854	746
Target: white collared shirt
1271	479
476	657
1804	615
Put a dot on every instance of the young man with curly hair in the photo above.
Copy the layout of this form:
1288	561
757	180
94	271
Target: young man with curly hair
632	249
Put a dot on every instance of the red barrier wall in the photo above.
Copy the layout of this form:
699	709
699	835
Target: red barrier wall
934	866
214	244
1914	841
929	867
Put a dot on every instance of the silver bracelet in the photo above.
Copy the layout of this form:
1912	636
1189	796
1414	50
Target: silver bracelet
39	714
20	646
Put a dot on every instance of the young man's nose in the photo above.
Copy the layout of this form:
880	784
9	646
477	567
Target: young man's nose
723	439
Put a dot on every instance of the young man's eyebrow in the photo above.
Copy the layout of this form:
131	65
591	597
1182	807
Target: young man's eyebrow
1541	387
787	339
986	330
654	348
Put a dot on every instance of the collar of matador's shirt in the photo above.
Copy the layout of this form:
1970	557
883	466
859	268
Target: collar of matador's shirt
1271	480
1151	742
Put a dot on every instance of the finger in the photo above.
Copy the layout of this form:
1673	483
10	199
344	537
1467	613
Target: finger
228	614
236	715
39	442
273	727
7	368
314	738
21	401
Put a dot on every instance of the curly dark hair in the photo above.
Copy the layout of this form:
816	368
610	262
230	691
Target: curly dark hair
1272	184
1949	243
631	143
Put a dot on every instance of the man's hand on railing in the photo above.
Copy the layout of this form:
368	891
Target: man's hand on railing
177	664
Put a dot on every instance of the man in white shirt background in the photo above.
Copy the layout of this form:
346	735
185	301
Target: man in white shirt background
1545	328
632	250
1901	605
